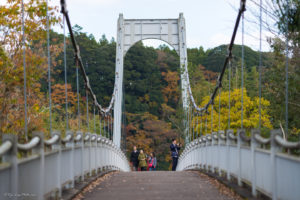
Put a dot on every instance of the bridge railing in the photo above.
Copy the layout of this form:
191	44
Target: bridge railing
255	161
55	164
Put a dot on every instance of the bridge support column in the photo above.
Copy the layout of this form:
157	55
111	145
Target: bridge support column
184	72
119	82
129	32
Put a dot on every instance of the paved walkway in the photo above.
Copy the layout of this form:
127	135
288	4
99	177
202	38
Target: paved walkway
158	185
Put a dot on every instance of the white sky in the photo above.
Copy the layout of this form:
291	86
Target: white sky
209	23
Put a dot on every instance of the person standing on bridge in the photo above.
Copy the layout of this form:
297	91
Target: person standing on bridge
152	162
175	153
134	158
142	161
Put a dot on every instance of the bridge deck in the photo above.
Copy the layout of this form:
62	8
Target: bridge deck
157	185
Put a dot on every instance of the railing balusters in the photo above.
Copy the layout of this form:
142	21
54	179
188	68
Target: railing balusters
264	169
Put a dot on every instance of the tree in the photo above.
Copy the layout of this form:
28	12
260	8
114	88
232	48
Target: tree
11	79
251	114
171	91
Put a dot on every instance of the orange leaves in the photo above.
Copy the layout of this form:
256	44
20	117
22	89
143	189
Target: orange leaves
171	92
59	97
11	73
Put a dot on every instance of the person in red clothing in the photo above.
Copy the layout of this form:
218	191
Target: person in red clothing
152	162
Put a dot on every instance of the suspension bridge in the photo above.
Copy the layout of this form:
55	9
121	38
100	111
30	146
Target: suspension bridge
52	168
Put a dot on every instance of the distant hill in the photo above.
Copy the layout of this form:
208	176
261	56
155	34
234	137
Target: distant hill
214	58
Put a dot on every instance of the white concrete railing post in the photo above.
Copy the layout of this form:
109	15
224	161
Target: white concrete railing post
57	146
274	150
12	158
80	143
228	156
239	162
39	149
253	162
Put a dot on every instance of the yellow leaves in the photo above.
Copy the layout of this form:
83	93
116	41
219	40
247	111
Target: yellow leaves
36	107
250	112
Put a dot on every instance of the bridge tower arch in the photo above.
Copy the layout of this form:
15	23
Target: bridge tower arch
129	32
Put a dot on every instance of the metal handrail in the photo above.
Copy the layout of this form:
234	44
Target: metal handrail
5	147
86	138
208	138
261	140
67	138
78	137
215	136
222	136
244	137
33	143
99	139
231	136
286	144
52	140
93	138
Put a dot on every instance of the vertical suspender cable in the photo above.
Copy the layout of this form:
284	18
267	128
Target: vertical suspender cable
201	124
108	124
94	119
260	62
188	123
193	125
287	72
77	85
66	81
24	72
242	74
104	133
87	110
229	88
100	117
205	123
197	130
219	109
212	110
111	123
49	70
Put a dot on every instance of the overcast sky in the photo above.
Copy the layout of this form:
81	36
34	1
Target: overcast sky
209	23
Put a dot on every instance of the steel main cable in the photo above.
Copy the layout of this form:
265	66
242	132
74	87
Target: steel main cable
228	57
220	78
79	60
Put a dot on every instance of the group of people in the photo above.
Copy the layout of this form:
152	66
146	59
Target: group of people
140	160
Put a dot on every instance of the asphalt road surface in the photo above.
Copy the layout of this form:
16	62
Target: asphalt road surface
158	185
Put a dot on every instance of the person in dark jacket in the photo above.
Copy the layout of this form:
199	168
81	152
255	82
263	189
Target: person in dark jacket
175	153
134	158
